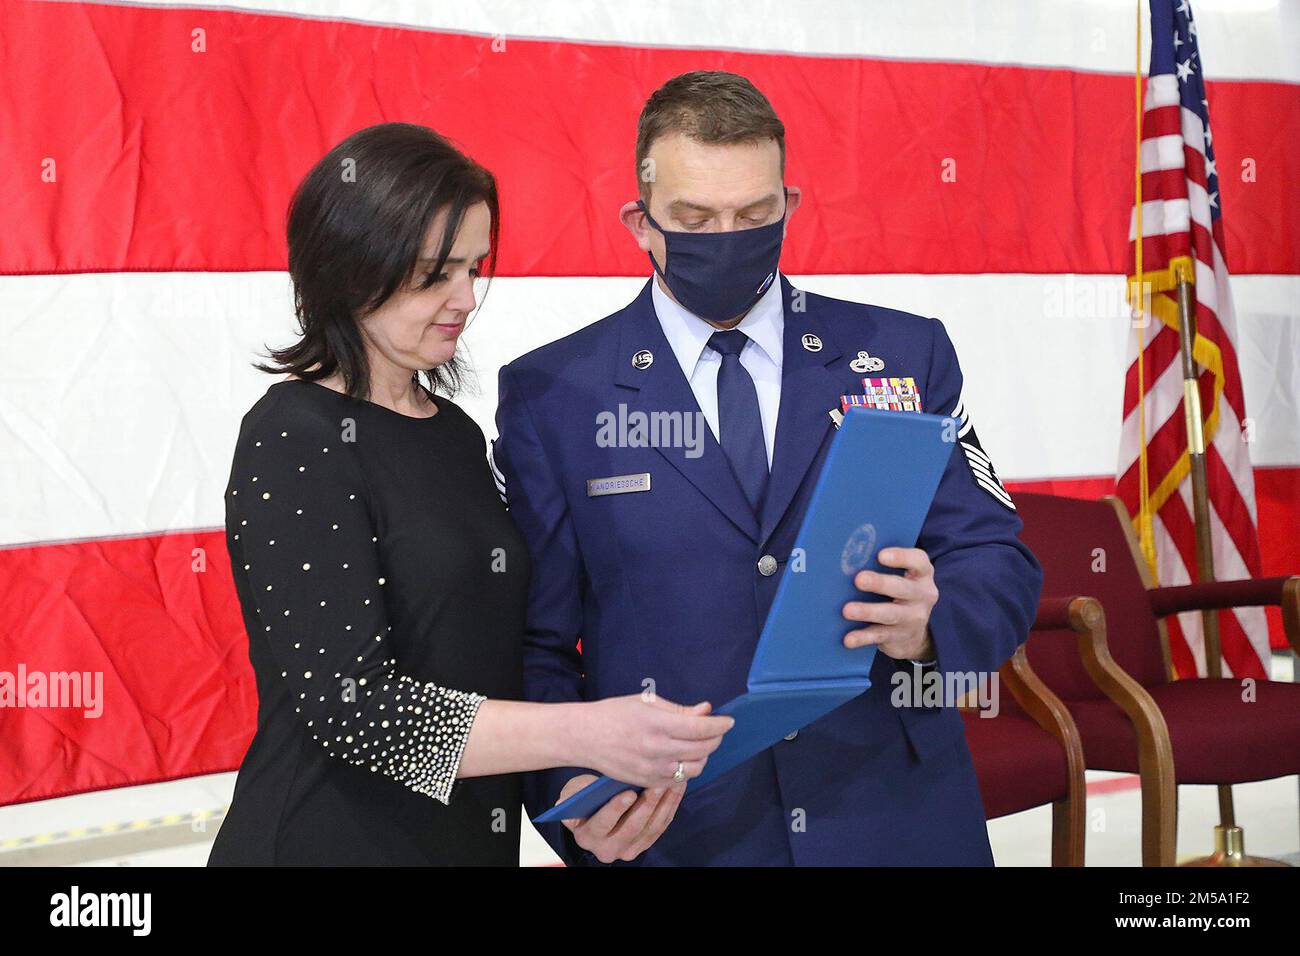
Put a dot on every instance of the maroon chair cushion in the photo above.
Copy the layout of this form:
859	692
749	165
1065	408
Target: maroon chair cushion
1018	764
1217	737
1071	538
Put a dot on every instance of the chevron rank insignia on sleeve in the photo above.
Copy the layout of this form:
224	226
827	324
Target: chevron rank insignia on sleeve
981	466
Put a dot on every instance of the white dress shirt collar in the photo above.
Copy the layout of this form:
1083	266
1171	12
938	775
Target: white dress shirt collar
688	334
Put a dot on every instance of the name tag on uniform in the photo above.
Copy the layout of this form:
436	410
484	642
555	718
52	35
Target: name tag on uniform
618	485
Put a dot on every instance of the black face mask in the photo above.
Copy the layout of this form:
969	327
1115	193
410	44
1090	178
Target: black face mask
719	275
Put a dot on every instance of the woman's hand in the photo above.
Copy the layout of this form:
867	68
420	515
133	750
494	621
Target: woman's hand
640	739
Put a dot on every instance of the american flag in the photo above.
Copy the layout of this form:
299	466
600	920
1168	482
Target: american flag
1182	235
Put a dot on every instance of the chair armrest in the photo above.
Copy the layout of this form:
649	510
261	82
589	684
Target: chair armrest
1251	592
1046	709
1155	750
1086	617
1073	613
1283	592
1035	697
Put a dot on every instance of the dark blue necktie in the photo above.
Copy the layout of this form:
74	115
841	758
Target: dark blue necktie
739	423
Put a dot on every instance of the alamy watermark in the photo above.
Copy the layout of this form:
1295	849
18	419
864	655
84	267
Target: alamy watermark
53	689
930	687
638	429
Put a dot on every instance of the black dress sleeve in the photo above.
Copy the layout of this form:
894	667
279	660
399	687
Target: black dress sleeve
305	538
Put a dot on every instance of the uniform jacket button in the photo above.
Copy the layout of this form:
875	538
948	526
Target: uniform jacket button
767	565
791	735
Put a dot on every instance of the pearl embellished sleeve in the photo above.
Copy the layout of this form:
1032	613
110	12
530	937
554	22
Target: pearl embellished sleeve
302	530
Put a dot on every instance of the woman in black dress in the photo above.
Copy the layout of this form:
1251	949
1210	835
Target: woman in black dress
382	584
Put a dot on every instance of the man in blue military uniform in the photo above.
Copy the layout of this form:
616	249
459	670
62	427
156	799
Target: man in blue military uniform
657	545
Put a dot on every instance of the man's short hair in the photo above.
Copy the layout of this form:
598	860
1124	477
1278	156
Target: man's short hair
709	106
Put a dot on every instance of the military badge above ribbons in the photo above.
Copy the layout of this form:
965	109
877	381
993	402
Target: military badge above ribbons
890	394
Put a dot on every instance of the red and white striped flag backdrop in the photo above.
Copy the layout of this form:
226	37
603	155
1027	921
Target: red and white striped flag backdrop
959	159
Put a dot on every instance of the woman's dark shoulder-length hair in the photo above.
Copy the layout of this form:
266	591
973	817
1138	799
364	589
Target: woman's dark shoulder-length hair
356	227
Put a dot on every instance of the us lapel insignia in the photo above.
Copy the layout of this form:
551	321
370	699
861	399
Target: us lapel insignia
811	342
643	359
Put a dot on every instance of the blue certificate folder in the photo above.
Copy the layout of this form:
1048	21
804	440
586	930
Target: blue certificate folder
874	492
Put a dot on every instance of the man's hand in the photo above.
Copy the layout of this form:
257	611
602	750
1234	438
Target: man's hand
628	824
899	627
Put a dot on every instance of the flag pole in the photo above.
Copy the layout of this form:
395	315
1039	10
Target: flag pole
1200	484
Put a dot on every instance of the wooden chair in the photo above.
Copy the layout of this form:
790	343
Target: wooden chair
1132	715
1030	754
